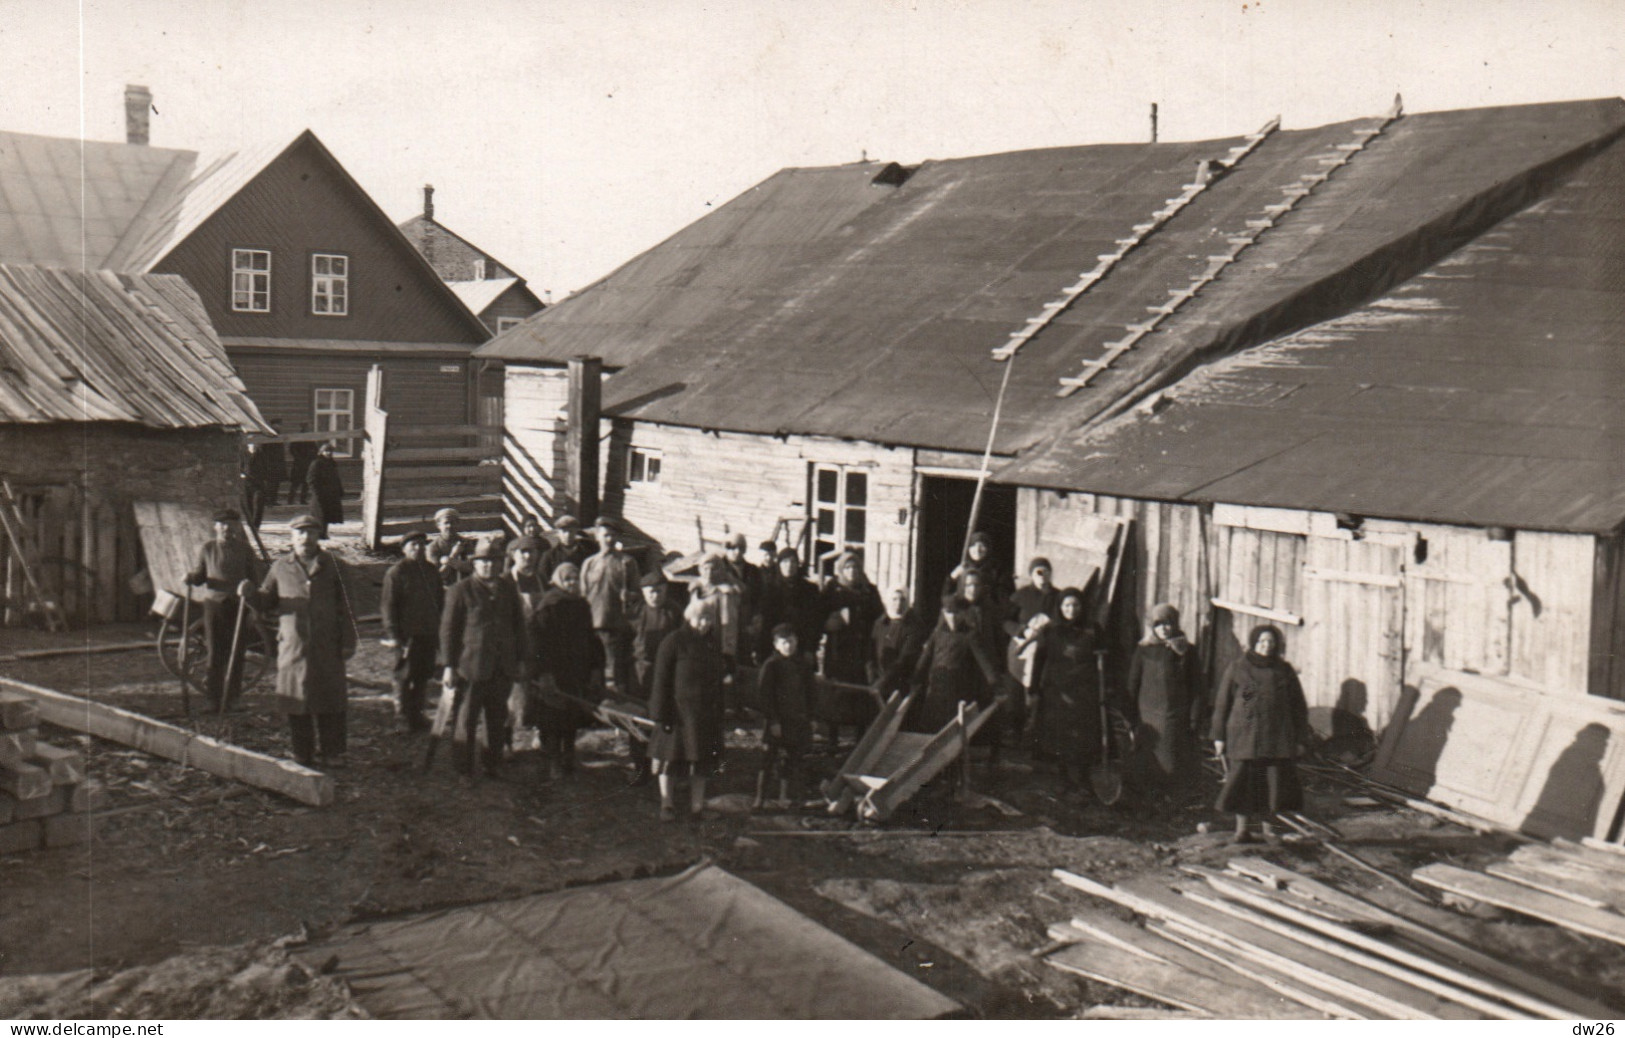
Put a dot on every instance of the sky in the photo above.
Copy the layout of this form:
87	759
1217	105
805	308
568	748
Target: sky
566	136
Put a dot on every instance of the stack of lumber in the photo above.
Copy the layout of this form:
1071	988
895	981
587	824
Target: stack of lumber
1577	886
1260	941
45	799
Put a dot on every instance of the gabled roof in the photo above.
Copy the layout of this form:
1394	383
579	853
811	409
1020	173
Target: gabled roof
127	206
1488	390
477	295
841	303
79	346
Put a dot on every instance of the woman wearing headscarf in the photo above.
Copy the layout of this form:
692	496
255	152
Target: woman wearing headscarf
1066	686
898	638
685	703
997	586
1260	723
788	597
850	606
569	663
1164	699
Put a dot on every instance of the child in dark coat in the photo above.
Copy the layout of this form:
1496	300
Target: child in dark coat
786	684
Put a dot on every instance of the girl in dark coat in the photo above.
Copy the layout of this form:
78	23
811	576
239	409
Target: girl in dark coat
1260	721
898	637
1066	683
788	597
570	660
1165	702
685	704
326	490
954	667
850	606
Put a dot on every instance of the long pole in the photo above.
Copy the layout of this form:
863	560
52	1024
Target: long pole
185	653
987	457
231	661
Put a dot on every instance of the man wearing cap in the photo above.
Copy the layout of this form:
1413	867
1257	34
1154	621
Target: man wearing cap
748	578
316	634
412	600
609	580
1028	612
571	547
484	648
222	564
448	550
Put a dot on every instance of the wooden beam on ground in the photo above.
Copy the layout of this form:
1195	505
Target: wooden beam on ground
1412	968
25	781
1523	900
1375	992
1289	986
75	650
17	712
1558	885
1157	980
66	767
177	744
1428	939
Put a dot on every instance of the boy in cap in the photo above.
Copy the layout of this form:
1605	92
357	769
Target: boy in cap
222	564
316	634
654	617
484	648
609	581
786	684
448	550
571	547
412	599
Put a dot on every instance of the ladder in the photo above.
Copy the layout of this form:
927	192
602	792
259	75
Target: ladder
11	518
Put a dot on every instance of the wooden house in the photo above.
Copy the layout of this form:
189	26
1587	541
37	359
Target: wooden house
307	281
819	360
114	389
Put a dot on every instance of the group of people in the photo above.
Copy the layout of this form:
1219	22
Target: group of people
536	631
309	469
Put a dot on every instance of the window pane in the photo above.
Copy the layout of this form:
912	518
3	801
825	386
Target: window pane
319	264
654	470
826	522
855	525
857	489
260	260
828	484
634	468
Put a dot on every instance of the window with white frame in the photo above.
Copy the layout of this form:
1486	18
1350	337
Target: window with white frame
251	280
840	513
643	466
335	412
504	323
479	268
329	284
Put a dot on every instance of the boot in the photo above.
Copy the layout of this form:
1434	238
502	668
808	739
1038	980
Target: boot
1243	831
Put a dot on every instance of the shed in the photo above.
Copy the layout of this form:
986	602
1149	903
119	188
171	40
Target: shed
114	388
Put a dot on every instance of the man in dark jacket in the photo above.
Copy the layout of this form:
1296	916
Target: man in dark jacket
300	454
484	648
315	635
222	564
572	546
412	601
326	488
955	667
898	637
1033	606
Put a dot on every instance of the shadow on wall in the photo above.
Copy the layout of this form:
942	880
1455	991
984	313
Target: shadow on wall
1570	798
1349	736
1425	736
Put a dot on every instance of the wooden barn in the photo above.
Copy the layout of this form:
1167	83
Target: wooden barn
307	281
820	359
114	389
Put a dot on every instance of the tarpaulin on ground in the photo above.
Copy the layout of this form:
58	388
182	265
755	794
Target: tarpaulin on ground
702	944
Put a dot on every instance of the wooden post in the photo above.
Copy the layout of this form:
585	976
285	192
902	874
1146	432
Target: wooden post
581	442
376	422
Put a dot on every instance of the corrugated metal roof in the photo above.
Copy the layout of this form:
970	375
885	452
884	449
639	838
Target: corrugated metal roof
477	295
80	346
820	303
1488	390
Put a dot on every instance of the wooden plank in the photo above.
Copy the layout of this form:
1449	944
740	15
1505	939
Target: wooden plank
1458	985
1592	843
66	767
1268	1003
1157	980
1537	879
1284	984
165	740
24	781
1278	615
444	454
1434	942
407	432
1104	1012
1505	894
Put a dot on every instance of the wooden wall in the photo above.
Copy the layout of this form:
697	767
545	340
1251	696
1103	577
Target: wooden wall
1359	611
77	484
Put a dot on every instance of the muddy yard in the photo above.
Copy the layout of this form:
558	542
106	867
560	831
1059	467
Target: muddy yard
182	904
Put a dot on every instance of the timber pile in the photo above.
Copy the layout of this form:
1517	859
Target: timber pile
1259	941
1577	886
45	798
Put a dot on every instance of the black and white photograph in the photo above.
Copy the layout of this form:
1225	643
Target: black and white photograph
673	510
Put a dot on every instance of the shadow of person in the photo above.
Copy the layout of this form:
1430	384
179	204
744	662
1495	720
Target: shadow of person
1425	735
1569	800
1351	734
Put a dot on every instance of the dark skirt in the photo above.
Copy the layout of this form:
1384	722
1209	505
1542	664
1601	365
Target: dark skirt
1261	787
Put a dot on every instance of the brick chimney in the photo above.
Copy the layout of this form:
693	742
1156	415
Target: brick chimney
428	201
137	106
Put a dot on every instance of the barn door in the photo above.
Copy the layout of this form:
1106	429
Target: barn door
1257	581
1353	662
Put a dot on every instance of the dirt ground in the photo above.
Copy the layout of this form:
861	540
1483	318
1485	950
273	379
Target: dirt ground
183	904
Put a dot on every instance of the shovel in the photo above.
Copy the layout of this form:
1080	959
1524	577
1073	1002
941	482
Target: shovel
1103	777
442	717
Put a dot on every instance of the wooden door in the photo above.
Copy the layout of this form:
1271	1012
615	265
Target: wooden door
1353	660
